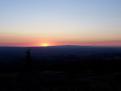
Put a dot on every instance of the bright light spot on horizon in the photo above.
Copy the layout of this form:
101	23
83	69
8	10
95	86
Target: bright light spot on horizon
45	44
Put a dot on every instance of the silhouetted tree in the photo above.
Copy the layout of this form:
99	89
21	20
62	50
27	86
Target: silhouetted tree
28	61
24	79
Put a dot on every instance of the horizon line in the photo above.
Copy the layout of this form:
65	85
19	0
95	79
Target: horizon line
65	45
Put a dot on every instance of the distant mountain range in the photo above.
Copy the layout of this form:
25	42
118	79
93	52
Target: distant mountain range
8	54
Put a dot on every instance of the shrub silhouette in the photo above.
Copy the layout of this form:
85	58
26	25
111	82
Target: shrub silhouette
28	61
24	79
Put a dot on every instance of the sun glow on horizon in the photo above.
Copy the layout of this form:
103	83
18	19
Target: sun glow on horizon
44	44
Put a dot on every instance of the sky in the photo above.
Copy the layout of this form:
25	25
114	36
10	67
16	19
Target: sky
60	22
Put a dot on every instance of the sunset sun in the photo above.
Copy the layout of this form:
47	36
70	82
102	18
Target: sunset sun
45	44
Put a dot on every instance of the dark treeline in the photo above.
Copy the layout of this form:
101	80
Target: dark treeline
68	72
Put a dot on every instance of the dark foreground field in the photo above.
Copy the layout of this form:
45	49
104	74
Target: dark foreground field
60	69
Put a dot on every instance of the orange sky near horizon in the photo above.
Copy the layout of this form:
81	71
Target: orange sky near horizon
24	41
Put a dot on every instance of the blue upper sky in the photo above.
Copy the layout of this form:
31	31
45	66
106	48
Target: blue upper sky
60	20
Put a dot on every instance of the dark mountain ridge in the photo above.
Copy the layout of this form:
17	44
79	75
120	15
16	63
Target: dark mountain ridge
60	68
